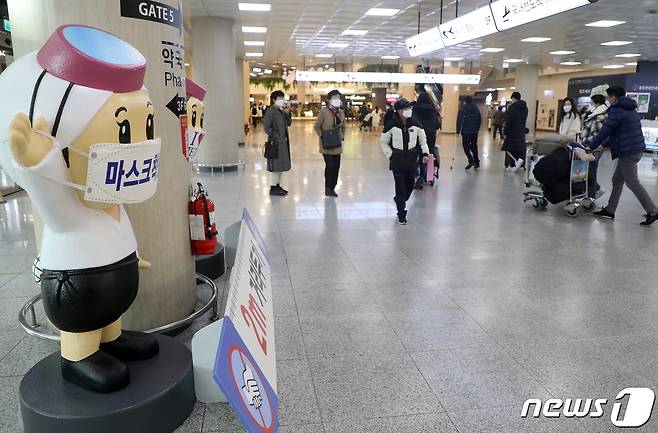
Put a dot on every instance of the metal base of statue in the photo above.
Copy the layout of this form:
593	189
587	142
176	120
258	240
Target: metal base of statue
212	266
159	398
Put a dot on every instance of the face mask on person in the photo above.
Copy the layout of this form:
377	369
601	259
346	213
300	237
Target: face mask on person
336	102
117	173
567	108
280	103
408	112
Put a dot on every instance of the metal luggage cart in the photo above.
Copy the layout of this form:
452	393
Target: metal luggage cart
579	176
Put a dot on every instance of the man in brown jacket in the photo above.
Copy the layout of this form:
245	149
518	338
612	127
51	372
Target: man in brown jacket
331	117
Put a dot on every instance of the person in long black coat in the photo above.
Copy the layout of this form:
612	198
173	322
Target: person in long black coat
515	131
427	115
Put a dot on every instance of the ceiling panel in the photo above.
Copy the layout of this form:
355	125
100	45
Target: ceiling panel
305	27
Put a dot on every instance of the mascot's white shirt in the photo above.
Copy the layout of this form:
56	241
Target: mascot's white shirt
74	236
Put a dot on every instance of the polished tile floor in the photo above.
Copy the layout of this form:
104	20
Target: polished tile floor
446	325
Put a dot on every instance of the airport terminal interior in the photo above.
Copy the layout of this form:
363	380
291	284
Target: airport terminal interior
346	216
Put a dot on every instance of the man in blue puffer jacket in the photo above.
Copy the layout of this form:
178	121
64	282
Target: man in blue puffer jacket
622	133
468	125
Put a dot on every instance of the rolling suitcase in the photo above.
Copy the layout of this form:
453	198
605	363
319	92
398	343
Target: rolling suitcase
430	169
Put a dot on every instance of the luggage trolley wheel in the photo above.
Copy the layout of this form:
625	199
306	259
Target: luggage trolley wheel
588	205
572	210
540	203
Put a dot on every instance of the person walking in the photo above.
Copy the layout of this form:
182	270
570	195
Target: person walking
425	113
331	118
254	115
571	125
469	121
402	140
592	125
376	119
498	121
276	122
622	133
515	130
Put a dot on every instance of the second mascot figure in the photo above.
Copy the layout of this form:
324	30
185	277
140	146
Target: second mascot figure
79	136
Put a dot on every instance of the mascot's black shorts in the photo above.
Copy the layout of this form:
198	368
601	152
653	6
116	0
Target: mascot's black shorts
84	300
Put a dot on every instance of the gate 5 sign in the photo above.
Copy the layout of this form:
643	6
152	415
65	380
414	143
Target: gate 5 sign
249	304
153	11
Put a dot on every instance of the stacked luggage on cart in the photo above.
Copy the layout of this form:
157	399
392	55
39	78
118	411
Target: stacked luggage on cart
557	173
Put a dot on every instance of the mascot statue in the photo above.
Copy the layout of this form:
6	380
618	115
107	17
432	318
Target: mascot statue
195	112
78	134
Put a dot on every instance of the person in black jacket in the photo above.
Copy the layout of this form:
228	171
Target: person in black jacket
622	133
515	131
425	113
469	121
402	141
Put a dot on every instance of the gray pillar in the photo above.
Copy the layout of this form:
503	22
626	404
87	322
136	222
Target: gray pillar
214	66
239	99
527	79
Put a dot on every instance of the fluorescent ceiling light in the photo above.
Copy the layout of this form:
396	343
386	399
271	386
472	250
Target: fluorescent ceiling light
513	60
453	59
616	43
268	71
490	89
613	66
501	88
535	39
628	56
512	88
351	32
338	45
254	43
605	23
251	29
631	64
390	57
382	12
252	74
385	77
562	53
253	54
426	42
492	50
323	56
257	70
571	63
255	7
187	64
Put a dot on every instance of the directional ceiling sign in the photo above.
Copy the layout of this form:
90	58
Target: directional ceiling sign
425	42
473	25
514	13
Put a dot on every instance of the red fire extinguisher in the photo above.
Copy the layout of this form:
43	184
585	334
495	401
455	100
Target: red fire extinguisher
203	230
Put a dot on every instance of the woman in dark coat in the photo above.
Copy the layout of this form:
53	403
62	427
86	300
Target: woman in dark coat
428	116
515	131
276	122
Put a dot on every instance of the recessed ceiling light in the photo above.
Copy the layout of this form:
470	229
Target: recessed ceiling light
338	45
253	54
453	59
390	57
562	53
323	56
631	64
605	23
512	88
513	60
257	70
350	32
501	88
268	71
382	12
252	74
251	29
535	39
492	50
255	7
613	66
490	89
254	43
628	56
571	63
616	43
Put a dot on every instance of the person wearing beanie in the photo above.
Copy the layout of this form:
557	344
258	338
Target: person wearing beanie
73	114
514	144
469	121
331	118
592	124
622	133
402	141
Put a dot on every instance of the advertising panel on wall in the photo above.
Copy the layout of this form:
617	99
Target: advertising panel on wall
581	88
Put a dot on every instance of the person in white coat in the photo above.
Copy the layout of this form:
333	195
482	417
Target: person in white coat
571	124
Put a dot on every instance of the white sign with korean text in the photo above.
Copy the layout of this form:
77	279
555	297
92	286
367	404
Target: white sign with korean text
473	25
425	42
249	304
513	13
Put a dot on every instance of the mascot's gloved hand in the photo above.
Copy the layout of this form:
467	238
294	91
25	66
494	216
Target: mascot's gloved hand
28	147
